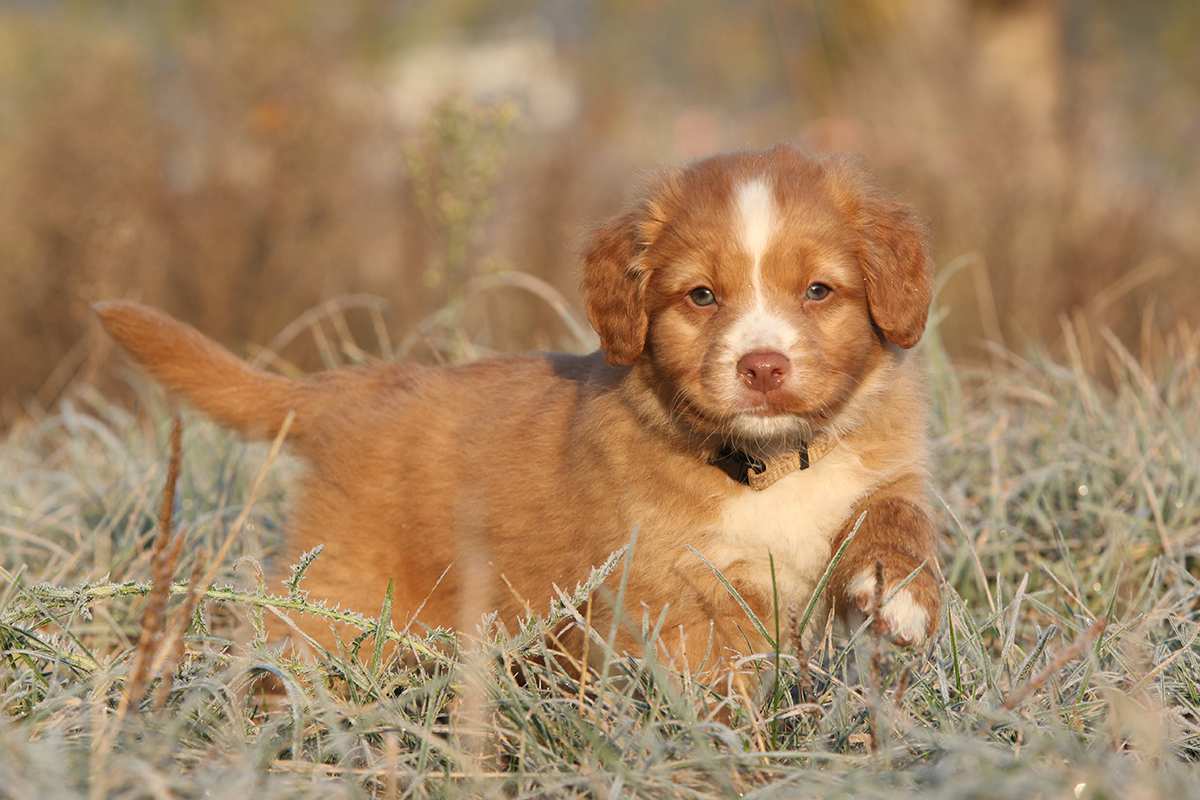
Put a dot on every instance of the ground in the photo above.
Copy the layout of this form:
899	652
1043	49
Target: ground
1065	666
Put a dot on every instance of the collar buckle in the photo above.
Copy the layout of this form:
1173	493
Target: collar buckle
757	473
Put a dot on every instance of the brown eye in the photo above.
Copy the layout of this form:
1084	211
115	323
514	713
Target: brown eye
817	291
702	296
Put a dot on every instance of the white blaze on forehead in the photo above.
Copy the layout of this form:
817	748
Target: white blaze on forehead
755	223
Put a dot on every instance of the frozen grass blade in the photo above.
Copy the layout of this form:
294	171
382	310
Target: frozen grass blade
737	596
383	627
814	599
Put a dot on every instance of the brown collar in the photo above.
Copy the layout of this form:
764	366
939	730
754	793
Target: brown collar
759	474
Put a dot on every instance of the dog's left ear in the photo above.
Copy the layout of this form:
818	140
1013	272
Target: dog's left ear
896	265
614	286
893	252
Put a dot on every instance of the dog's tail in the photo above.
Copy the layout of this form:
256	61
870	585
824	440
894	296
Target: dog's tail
252	402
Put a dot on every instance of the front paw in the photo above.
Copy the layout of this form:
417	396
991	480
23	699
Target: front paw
909	614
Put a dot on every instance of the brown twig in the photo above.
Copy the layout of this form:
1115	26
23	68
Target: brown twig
584	668
162	561
391	757
171	653
171	643
902	686
804	681
877	626
878	629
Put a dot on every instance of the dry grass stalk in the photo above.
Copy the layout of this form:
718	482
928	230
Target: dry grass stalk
877	632
1064	657
877	626
804	682
163	561
171	653
391	755
585	670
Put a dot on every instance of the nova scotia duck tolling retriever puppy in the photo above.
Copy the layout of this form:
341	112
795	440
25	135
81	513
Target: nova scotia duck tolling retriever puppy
753	394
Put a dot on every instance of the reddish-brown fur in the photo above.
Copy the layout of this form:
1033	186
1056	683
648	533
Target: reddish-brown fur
521	473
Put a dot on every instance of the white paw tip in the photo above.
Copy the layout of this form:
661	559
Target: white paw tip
906	619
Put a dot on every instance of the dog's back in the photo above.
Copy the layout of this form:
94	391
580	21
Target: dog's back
410	469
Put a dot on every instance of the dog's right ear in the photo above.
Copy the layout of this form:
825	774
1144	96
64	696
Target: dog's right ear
614	287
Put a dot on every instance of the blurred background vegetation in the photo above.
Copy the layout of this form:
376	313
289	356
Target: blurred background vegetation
242	163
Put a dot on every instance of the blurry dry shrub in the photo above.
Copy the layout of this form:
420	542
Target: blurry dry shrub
238	163
235	170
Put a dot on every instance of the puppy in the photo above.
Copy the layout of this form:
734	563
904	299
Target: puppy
751	398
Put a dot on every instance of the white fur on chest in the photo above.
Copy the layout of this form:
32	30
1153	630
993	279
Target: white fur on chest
795	521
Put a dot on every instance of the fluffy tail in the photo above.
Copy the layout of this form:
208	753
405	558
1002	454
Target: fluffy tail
252	402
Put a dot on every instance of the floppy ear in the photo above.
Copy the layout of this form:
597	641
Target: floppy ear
895	262
614	286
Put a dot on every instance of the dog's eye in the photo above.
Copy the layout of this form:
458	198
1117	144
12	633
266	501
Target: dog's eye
817	291
702	296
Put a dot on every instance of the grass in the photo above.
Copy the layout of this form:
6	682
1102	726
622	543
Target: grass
1066	665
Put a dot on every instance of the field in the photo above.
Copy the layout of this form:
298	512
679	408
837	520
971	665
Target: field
1066	665
325	183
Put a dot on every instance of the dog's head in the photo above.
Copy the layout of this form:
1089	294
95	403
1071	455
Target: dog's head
759	289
